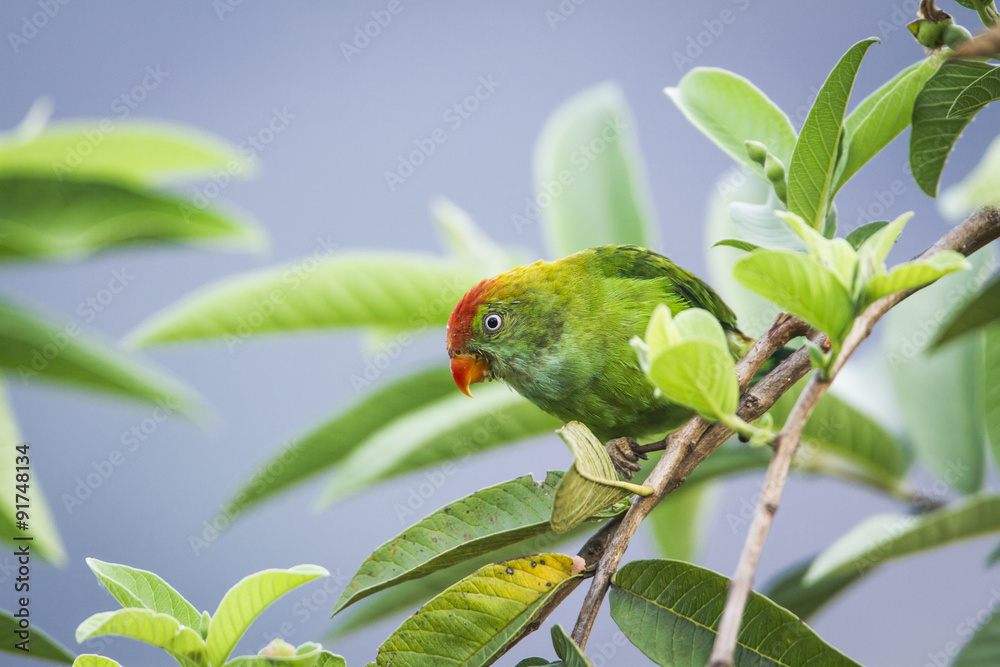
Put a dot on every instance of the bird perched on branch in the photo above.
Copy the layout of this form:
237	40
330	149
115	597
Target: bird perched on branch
558	333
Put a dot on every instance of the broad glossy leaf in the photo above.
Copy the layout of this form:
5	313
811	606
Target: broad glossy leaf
684	603
445	430
730	110
813	165
43	217
980	311
945	427
980	187
590	181
307	655
134	153
801	285
863	449
977	94
984	646
332	441
477	524
539	662
911	275
802	599
32	347
860	234
141	589
880	117
479	618
934	133
591	485
147	626
91	660
884	537
758	224
393	291
699	375
40	645
991	389
571	654
46	542
410	595
244	601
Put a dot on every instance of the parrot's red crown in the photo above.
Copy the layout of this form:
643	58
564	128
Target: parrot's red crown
460	322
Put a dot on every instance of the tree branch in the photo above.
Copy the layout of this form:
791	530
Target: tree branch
978	230
687	447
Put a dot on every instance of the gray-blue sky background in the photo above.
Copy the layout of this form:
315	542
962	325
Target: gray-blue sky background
322	181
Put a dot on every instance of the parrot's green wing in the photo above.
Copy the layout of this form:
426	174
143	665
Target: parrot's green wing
680	289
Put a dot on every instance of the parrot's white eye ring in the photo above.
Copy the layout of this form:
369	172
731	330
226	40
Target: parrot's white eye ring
492	322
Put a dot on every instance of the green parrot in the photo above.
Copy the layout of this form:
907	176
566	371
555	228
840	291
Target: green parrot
558	333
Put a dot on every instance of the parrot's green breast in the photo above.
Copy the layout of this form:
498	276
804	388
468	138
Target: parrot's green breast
566	346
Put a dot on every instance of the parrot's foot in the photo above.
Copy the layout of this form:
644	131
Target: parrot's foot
624	457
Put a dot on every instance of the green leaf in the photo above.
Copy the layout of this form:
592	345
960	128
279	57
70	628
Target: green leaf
307	655
801	285
981	311
880	117
980	187
839	438
934	133
591	485
42	217
945	427
45	540
730	111
813	165
916	273
539	662
129	153
332	441
477	524
40	645
990	389
758	224
590	181
138	588
34	347
91	660
977	94
884	537
804	600
567	649
984	647
447	429
248	598
860	234
475	621
670	610
393	291
736	243
147	626
699	375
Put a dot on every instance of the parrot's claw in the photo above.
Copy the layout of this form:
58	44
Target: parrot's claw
624	457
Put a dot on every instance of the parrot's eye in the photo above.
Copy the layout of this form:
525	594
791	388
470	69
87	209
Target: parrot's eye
492	322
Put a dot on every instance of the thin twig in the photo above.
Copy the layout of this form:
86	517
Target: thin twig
978	230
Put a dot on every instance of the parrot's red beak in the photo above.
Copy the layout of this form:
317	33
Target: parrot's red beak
468	369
